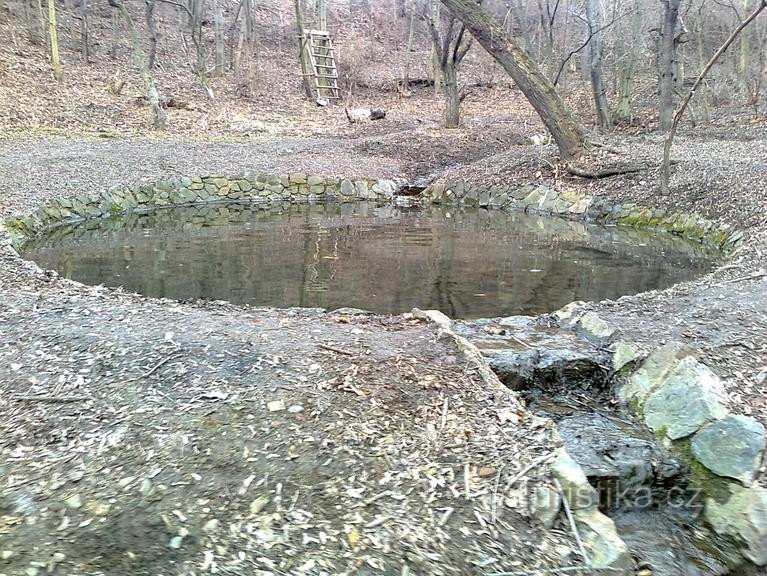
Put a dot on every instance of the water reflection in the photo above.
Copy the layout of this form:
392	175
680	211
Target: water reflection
469	263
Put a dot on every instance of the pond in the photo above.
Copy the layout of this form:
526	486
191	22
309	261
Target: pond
466	263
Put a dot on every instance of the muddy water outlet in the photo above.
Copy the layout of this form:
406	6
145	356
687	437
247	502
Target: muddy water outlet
642	486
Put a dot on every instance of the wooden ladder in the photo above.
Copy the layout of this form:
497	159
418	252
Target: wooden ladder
322	59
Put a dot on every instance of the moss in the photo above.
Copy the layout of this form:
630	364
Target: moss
701	478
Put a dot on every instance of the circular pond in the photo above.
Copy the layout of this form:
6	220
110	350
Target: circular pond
466	263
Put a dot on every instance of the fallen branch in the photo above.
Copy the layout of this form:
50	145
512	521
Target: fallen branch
157	366
50	399
535	463
571	520
336	350
754	276
596	173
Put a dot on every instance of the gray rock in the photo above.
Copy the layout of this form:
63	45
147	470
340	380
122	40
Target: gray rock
605	548
689	396
594	327
731	447
534	198
569	312
521	368
580	206
607	449
521	193
579	493
347	188
385	188
742	517
652	371
75	501
624	353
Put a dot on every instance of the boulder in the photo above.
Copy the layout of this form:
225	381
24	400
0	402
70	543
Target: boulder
594	328
652	371
731	447
604	546
742	517
688	397
624	354
579	493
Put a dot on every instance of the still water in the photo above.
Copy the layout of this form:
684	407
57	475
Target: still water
466	263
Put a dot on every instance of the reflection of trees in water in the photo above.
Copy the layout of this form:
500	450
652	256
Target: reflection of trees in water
326	256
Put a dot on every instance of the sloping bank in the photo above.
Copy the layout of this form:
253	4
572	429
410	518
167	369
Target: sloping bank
677	396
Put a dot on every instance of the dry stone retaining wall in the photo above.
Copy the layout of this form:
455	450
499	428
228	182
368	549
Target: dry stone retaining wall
537	199
264	188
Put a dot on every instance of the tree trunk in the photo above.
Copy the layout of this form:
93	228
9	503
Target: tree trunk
452	98
408	49
150	24
85	49
595	66
143	66
667	57
538	90
58	74
628	65
218	23
322	14
666	164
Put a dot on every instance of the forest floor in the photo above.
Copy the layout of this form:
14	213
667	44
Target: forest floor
147	436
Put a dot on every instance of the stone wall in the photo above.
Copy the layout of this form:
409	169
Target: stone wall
543	200
258	187
685	404
264	188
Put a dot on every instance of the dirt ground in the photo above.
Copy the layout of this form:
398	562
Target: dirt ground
151	437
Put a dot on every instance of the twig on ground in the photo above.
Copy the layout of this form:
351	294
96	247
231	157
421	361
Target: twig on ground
494	505
754	276
571	520
156	367
50	399
529	467
518	341
562	570
336	350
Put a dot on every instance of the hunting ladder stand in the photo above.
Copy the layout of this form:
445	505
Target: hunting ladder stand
317	49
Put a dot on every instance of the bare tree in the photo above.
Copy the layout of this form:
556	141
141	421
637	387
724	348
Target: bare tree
668	54
143	65
666	164
451	43
538	90
152	28
218	26
58	73
594	22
